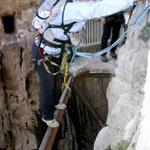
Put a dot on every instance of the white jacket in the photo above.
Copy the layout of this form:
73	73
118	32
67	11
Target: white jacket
78	12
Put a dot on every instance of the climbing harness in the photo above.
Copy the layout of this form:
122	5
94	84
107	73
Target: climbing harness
46	39
63	68
51	41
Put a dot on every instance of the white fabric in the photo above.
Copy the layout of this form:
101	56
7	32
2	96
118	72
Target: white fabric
44	14
47	5
126	16
52	51
48	35
77	26
39	24
80	12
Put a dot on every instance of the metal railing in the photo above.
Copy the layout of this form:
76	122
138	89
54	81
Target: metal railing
91	34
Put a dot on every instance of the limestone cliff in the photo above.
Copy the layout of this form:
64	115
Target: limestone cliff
19	86
15	6
18	98
125	92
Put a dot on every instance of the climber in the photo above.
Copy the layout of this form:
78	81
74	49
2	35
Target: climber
53	23
112	26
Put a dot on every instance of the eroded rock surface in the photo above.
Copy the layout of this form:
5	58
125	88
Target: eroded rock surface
18	98
125	92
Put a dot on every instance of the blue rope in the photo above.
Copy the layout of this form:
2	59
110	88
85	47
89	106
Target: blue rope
73	59
141	16
133	27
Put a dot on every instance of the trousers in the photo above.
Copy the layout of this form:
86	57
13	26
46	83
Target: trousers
111	28
49	92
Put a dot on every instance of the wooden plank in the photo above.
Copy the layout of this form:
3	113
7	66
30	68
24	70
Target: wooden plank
53	134
50	134
87	74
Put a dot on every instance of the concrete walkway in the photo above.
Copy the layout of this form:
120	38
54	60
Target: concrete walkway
93	65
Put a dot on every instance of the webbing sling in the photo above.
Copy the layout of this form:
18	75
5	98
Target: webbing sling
40	16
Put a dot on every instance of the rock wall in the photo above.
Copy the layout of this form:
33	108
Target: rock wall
15	6
18	95
19	87
22	13
125	92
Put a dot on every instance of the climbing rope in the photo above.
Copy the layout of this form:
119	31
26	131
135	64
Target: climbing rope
46	60
65	71
121	38
63	68
74	49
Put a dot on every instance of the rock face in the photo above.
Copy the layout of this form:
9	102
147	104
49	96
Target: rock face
15	6
18	98
125	93
16	14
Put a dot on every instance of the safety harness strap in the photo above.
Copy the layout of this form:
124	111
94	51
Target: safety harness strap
55	3
66	30
61	41
65	27
50	44
69	25
41	17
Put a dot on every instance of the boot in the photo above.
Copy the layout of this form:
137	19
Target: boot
104	58
113	55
